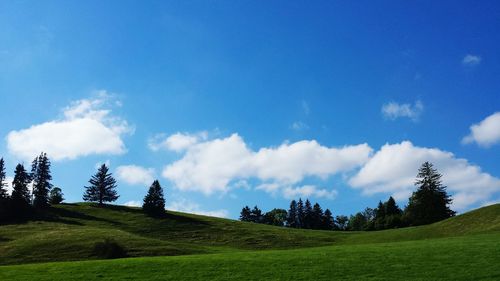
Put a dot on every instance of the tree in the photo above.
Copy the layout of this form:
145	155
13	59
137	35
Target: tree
56	196
300	214
102	187
41	177
292	219
430	202
256	215
154	202
341	222
3	185
245	214
357	222
308	216
275	217
393	217
316	217
327	221
380	216
20	198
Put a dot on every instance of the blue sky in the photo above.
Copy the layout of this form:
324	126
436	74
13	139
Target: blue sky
233	103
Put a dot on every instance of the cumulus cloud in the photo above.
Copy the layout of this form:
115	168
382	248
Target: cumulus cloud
135	175
471	60
486	132
186	206
394	110
211	165
87	127
177	142
394	167
307	191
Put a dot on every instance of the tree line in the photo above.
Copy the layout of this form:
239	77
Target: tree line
23	203
429	203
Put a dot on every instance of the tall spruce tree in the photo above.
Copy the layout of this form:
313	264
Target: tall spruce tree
154	202
380	215
327	221
308	215
316	217
291	218
3	185
20	197
245	214
102	187
393	214
41	177
300	214
430	202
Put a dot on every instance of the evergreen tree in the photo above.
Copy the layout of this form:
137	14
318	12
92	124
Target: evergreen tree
430	202
380	215
40	175
327	221
154	202
394	214
300	214
245	214
3	185
391	208
308	216
292	219
256	215
20	197
316	217
102	187
56	196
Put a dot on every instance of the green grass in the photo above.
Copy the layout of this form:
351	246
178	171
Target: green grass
191	247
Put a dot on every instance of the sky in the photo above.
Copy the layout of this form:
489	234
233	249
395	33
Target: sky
234	103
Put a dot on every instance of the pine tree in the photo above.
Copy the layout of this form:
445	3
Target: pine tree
380	215
327	221
316	217
20	197
56	196
154	202
391	208
291	218
102	187
430	202
3	185
300	214
308	216
245	214
40	175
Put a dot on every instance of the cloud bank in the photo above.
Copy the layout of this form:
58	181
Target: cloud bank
486	133
87	127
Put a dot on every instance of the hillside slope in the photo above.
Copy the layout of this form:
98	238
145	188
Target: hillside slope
69	232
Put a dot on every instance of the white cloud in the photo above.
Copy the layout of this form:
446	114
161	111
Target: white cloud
176	142
211	166
186	206
85	129
8	181
394	167
135	175
307	191
394	110
471	60
299	126
486	133
133	204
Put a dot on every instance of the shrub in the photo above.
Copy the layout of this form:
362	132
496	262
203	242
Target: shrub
109	249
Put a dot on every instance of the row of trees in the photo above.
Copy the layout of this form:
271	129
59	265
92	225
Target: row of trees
22	201
33	191
428	204
300	215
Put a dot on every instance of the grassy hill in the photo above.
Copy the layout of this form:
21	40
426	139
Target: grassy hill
465	247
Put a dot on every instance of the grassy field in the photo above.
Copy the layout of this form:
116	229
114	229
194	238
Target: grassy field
466	247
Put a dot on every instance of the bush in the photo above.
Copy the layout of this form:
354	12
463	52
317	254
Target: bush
109	249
